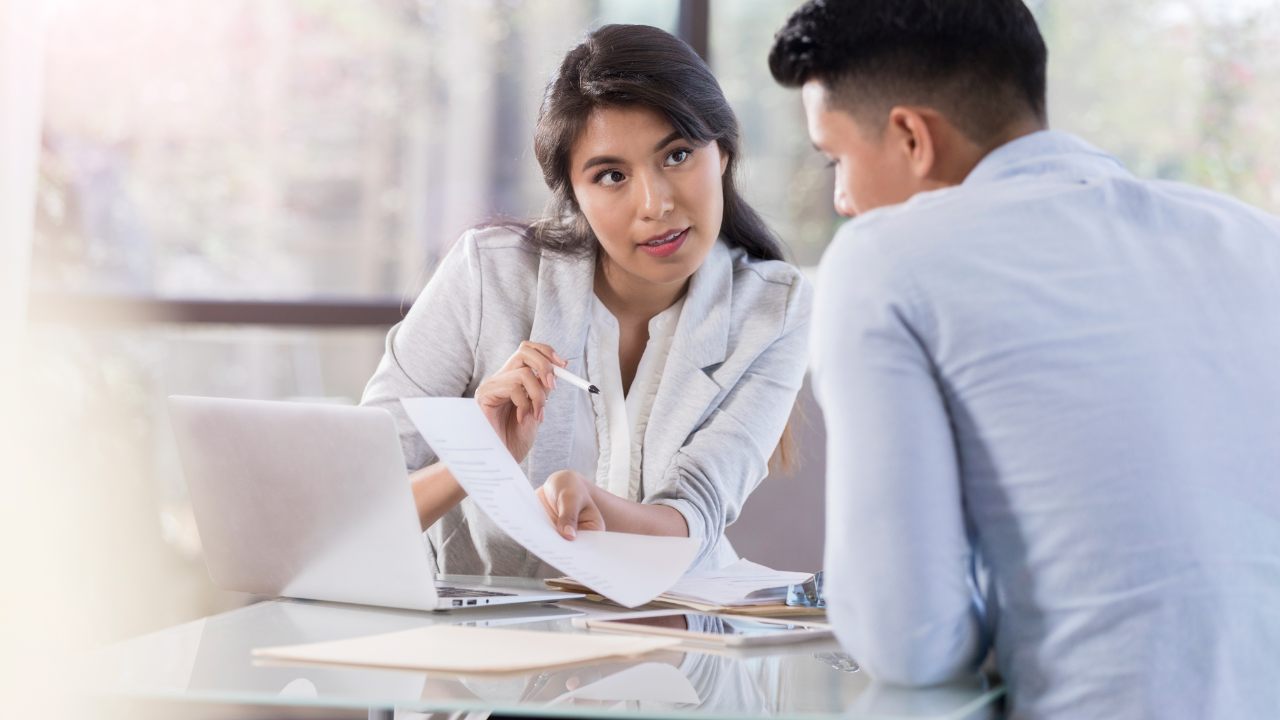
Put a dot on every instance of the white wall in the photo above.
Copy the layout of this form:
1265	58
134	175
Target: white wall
20	64
20	81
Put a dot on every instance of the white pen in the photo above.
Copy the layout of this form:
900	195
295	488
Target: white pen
575	380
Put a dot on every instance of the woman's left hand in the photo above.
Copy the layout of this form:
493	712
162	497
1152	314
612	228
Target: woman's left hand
567	498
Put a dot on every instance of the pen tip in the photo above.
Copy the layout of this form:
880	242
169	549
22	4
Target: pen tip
593	389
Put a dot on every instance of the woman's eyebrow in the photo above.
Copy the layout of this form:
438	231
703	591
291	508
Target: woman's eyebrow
610	160
601	160
667	140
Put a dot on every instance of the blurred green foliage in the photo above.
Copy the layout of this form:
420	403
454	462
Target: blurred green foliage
1177	90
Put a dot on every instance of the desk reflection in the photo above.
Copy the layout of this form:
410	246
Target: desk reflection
211	659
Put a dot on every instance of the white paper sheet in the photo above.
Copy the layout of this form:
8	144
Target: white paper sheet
734	585
631	570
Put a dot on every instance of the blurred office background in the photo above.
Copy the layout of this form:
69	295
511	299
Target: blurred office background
237	198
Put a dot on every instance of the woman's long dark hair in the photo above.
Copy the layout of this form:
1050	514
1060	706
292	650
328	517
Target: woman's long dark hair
636	65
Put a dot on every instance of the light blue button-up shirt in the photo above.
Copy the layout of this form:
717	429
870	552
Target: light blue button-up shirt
1052	397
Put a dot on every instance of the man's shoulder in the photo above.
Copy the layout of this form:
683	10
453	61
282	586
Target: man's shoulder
884	253
876	248
999	217
927	219
1211	201
906	229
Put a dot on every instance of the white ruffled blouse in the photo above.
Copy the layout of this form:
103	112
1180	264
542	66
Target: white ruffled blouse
616	420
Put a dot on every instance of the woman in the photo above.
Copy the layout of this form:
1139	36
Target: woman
650	277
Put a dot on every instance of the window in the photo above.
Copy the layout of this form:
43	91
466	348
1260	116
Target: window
1178	89
331	150
783	176
256	150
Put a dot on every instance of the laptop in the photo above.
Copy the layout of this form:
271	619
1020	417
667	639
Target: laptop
313	501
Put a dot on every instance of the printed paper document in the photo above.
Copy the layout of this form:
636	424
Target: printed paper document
742	583
631	570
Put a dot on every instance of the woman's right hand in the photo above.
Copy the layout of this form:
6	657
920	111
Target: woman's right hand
514	398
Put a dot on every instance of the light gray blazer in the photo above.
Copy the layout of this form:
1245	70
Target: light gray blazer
736	363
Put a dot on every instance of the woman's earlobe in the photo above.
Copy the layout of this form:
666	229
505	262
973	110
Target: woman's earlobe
724	161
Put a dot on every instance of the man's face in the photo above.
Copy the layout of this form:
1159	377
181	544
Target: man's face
870	172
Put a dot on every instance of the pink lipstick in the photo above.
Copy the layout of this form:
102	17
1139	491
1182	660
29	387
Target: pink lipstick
661	246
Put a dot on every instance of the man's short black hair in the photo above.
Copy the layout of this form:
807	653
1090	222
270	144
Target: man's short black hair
981	63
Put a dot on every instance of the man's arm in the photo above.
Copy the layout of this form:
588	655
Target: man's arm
897	557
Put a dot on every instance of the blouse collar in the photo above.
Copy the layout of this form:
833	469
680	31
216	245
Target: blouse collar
566	288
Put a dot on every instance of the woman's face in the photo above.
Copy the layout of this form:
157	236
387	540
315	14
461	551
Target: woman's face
653	199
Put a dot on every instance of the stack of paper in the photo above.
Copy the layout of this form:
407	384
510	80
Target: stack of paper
742	588
450	648
742	583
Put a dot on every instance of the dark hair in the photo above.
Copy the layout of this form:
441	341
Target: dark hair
636	65
981	63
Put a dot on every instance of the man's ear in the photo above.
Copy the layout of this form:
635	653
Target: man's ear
915	140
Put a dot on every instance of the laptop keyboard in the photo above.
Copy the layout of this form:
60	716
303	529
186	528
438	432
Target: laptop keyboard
448	591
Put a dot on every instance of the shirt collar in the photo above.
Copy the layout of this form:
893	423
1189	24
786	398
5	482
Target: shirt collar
1045	152
660	326
663	325
565	295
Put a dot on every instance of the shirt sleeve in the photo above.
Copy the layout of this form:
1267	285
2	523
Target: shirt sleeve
727	457
898	560
431	353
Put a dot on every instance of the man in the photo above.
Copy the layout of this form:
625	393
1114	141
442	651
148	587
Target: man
1052	390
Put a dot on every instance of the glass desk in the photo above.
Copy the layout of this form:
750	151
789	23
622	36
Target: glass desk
208	661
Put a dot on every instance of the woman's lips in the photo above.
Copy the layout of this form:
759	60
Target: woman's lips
667	248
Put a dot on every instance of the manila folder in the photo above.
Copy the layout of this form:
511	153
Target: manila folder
450	648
